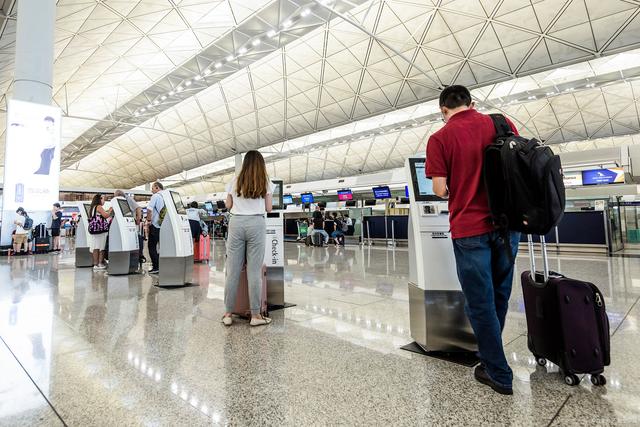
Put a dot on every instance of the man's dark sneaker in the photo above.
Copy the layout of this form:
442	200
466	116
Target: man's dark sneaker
481	376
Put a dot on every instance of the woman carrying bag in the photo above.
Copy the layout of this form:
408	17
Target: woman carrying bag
249	199
99	229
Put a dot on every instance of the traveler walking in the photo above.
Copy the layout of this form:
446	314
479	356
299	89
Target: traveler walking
155	215
249	198
454	162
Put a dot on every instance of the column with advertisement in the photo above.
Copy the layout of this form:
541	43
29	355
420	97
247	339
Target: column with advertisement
32	164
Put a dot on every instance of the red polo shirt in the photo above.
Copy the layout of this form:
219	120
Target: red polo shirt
456	152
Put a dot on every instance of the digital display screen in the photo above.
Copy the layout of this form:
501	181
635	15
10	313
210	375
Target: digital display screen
422	186
276	197
382	192
124	208
177	201
307	197
287	199
87	209
603	176
208	206
344	195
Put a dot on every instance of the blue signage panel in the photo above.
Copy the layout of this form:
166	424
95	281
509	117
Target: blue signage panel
603	176
382	192
306	197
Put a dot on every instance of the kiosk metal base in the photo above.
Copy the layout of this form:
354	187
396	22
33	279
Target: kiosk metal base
438	321
84	258
275	289
464	358
123	262
175	271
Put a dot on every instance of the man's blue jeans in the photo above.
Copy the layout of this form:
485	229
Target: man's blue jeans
486	274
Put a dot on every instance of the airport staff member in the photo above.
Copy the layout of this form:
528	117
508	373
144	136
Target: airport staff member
156	204
454	162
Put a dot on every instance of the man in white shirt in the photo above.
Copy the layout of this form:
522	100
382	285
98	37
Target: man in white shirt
155	206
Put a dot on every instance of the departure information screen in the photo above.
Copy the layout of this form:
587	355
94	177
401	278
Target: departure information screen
382	192
306	198
344	195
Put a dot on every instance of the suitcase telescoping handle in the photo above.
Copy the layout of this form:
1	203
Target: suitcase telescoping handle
532	258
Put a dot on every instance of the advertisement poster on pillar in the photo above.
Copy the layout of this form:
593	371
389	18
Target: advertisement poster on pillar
32	162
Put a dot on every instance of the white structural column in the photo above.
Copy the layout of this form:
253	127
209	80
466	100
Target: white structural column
34	51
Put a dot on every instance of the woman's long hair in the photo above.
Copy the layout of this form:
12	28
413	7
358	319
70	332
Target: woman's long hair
95	202
252	180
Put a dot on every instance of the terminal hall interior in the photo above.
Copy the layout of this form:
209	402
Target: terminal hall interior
127	125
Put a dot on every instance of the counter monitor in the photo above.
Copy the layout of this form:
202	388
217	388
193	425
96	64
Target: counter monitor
307	198
382	192
344	195
287	199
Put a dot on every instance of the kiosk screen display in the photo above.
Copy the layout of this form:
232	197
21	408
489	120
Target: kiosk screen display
208	206
422	186
307	198
276	200
287	199
177	201
87	209
125	208
382	192
344	195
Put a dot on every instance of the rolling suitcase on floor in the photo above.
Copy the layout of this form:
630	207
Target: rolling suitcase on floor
318	240
242	307
201	249
42	239
567	322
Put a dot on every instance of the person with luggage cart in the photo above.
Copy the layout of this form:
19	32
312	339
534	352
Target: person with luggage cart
485	268
249	198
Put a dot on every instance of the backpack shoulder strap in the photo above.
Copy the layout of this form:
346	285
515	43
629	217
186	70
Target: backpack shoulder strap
502	126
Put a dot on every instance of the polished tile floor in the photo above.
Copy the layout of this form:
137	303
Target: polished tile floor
83	348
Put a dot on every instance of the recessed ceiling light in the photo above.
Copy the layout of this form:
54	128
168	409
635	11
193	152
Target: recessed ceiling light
272	33
242	50
207	71
287	23
197	78
156	102
179	89
173	92
229	58
136	114
550	93
187	83
149	106
142	110
163	97
305	12
256	42
218	65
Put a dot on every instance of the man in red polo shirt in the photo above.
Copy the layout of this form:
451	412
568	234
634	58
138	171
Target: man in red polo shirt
455	156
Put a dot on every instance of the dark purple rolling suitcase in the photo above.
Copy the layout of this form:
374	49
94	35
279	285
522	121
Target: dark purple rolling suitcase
567	322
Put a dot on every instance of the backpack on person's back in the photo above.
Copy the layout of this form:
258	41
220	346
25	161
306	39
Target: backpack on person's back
524	182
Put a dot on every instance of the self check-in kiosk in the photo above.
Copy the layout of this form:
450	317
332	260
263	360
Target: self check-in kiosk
84	258
274	250
436	302
176	244
124	249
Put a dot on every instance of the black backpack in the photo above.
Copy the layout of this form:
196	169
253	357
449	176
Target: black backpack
523	181
28	223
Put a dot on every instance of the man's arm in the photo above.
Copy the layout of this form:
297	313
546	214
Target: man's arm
440	186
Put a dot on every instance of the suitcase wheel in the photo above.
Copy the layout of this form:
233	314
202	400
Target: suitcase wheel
572	379
598	380
541	361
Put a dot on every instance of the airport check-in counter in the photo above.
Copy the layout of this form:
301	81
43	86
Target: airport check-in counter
124	249
176	244
436	302
84	258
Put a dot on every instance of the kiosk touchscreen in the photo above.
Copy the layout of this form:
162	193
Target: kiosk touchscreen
83	252
176	245
436	302
124	249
